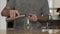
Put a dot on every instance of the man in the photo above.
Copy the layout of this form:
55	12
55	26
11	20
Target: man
38	11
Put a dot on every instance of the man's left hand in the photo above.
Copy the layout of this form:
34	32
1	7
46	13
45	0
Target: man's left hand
33	17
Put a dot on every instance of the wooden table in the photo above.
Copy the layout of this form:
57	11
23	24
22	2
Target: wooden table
2	31
26	32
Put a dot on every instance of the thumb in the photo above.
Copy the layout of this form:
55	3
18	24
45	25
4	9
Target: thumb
18	14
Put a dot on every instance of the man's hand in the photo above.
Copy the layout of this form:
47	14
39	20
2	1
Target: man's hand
13	14
33	17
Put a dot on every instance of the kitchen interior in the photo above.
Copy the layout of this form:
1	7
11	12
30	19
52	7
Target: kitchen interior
51	27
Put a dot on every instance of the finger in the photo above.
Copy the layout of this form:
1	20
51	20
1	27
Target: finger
34	18
31	18
12	14
18	14
30	15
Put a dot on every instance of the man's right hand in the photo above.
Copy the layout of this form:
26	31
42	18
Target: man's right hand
13	14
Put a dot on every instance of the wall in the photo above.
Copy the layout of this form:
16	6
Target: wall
56	3
2	19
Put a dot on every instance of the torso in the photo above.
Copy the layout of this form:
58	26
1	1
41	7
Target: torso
28	6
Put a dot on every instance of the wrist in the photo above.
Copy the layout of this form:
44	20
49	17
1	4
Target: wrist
38	18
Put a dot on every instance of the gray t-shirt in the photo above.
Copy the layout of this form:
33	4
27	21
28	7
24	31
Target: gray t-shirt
38	7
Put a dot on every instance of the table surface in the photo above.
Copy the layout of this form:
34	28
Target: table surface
55	17
46	31
3	31
27	32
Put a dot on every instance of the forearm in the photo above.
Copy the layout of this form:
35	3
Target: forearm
43	18
5	12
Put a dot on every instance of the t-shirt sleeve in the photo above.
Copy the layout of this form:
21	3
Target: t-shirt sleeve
11	3
45	8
